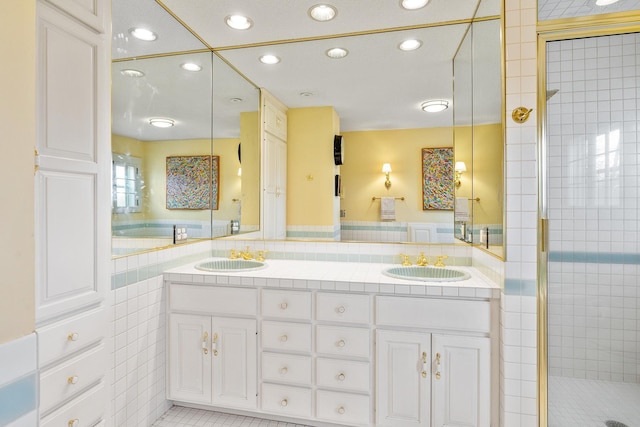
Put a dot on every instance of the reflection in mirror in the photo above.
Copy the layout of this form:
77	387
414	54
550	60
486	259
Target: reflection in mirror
478	135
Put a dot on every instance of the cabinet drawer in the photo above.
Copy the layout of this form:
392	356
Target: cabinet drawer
213	300
344	374
343	341
88	409
63	381
286	368
286	304
285	400
286	336
443	314
343	408
348	308
70	335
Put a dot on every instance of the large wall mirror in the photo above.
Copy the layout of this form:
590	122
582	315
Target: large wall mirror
198	176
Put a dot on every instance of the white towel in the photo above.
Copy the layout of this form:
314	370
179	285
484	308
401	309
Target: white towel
462	209
388	208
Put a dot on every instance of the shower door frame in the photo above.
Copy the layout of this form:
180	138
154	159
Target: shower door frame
552	31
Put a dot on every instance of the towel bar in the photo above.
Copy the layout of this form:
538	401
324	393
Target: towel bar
397	198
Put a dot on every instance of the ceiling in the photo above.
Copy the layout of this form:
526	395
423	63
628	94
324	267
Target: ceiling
376	86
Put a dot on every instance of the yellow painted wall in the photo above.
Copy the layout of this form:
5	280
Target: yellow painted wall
362	176
488	152
250	139
18	127
310	165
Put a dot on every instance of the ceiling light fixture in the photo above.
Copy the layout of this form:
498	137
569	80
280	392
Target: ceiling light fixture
306	94
413	4
269	59
322	12
130	72
161	123
434	106
236	100
191	66
409	45
337	53
605	2
238	22
143	34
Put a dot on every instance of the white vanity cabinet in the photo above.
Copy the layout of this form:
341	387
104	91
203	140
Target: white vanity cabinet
213	357
335	358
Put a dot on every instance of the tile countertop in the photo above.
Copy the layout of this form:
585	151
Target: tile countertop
336	276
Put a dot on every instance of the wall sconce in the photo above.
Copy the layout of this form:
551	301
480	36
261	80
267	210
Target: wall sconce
459	169
386	170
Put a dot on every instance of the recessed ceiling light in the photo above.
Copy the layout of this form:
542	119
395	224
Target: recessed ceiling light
143	34
337	53
238	22
411	44
161	123
236	100
269	59
413	4
605	2
306	94
190	66
322	12
434	106
130	72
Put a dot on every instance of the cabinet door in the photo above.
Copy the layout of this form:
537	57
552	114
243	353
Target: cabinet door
234	362
461	381
190	358
275	192
403	378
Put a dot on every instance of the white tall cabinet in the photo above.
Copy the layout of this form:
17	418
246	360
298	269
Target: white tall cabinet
72	191
274	167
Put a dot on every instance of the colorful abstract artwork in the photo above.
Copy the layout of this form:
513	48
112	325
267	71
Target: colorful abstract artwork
192	182
437	178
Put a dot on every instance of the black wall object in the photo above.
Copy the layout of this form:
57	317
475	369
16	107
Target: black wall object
338	150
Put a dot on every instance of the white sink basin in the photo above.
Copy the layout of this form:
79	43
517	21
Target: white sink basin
231	265
426	274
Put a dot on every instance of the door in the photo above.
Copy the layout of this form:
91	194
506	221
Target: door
234	362
275	192
190	358
403	391
461	381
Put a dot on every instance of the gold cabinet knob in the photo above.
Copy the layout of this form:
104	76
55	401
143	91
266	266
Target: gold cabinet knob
74	423
341	410
73	380
341	377
284	338
341	344
340	309
284	370
284	402
73	336
283	306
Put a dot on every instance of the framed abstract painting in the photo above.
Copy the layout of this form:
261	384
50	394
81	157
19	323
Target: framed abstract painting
437	178
192	182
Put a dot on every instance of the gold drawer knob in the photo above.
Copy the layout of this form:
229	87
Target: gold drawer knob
74	423
73	337
284	370
284	402
73	379
341	309
283	306
284	338
341	410
341	377
341	344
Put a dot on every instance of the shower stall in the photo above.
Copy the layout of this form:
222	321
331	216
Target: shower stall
590	200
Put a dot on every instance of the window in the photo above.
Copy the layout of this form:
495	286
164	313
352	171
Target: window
127	183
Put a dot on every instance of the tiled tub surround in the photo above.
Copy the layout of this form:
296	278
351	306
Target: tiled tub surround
302	302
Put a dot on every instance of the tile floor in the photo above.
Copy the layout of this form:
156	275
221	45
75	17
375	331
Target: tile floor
179	416
590	403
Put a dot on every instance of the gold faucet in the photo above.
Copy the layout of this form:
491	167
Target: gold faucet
261	255
439	263
246	254
422	260
234	254
405	260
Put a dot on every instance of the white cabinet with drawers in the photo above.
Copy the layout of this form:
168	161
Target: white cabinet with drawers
334	358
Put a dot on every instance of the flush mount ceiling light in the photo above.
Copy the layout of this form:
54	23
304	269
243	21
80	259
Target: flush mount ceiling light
190	66
605	2
413	4
238	22
337	53
434	106
411	44
236	100
306	94
322	12
161	123
130	72
143	34
269	59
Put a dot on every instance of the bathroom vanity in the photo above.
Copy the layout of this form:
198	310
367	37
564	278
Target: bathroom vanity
341	343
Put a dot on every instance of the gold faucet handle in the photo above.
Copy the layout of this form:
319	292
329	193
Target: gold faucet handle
233	254
405	260
422	260
261	255
439	263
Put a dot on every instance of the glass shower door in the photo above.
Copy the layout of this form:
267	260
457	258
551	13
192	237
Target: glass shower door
592	196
